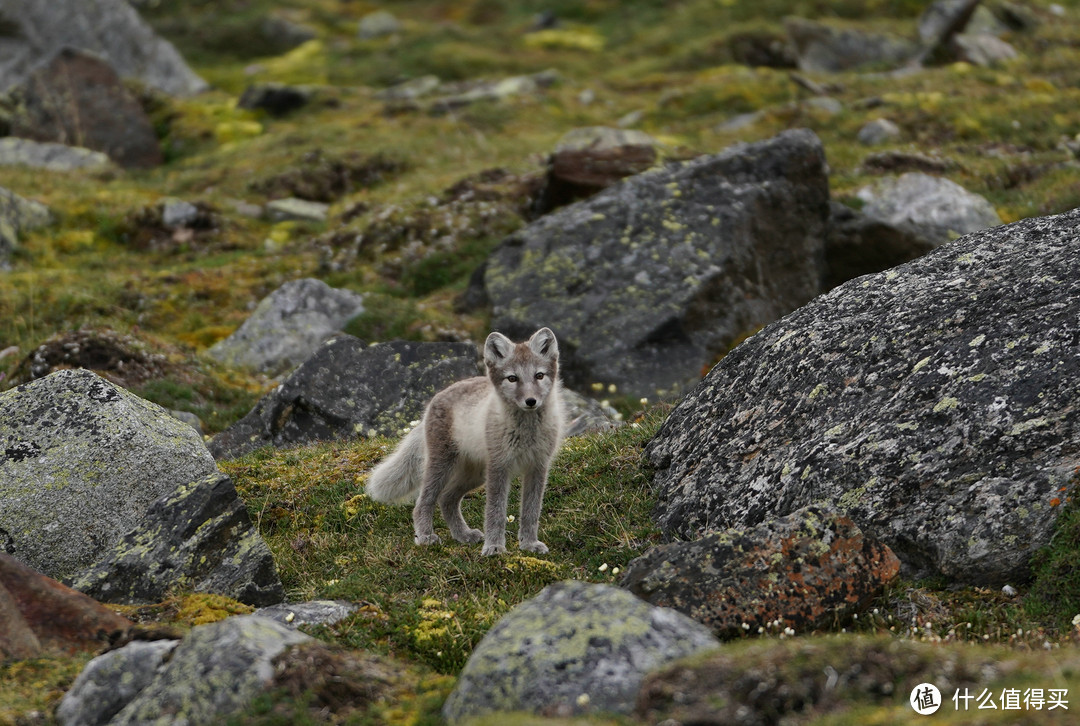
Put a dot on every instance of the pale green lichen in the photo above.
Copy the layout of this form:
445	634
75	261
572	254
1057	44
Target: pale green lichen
946	404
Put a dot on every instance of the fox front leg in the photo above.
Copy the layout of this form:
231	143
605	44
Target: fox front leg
498	490
532	498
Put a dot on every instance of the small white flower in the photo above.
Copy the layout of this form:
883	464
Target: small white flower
615	570
583	700
1076	621
603	567
644	402
290	617
509	518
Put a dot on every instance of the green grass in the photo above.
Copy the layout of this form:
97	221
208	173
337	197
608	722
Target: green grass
433	604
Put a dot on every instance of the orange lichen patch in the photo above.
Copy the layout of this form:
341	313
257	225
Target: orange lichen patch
812	569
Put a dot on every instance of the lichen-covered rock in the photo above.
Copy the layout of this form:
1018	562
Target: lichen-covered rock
110	681
288	325
808	570
934	403
80	461
78	99
215	672
575	648
648	281
198	537
111	29
349	389
933	207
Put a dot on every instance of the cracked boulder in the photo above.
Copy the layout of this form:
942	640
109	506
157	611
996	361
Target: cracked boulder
809	570
197	538
349	389
933	403
80	461
649	281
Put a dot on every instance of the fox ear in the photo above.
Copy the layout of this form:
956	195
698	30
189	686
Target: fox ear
543	343
496	348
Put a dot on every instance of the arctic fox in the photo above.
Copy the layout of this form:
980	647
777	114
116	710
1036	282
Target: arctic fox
482	431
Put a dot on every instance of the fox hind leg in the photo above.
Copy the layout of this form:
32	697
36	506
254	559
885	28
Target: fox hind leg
436	474
463	479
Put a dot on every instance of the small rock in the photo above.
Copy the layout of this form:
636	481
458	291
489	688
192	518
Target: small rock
377	25
982	49
277	99
823	49
940	209
176	213
294	209
314	612
50	156
410	90
288	325
878	131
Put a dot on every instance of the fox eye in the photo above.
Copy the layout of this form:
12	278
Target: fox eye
540	376
512	379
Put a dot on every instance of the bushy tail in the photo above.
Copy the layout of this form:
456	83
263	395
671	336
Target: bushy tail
397	478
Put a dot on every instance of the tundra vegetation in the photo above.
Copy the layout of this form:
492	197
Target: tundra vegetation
395	178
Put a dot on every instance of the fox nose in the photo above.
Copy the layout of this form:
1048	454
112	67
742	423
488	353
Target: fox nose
530	402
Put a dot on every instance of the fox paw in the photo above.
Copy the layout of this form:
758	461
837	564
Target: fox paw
535	546
471	536
493	549
427	539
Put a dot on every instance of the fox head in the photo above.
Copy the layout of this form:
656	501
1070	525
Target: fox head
523	373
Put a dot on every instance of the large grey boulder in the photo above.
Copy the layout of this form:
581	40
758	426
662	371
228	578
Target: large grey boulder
76	98
575	648
648	281
213	673
933	402
349	389
111	29
18	215
933	207
288	325
199	538
80	461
